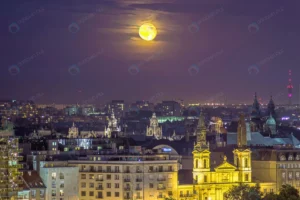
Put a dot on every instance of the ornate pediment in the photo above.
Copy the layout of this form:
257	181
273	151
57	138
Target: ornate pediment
199	150
225	166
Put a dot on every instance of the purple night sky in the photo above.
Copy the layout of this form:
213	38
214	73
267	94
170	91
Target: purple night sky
71	50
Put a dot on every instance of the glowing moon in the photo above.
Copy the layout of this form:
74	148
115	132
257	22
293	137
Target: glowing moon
147	32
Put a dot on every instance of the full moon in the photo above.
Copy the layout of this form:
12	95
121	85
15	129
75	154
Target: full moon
147	32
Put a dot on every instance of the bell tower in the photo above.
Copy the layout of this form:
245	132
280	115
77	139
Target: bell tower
242	132
201	154
242	154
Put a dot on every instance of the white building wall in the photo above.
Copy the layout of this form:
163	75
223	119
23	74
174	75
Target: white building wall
69	182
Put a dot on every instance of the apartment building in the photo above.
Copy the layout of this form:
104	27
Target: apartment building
127	177
60	179
277	165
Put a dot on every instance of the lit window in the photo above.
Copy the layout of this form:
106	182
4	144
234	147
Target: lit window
297	175
53	175
246	162
205	163
290	175
283	175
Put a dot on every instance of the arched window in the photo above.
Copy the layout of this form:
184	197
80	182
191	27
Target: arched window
196	163
205	163
205	178
246	162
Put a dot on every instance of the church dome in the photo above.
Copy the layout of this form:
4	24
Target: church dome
271	121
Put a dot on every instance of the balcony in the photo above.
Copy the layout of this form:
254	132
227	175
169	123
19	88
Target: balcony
186	195
127	171
99	188
99	197
139	171
99	179
138	188
160	196
139	180
127	197
139	197
161	188
161	179
126	180
127	188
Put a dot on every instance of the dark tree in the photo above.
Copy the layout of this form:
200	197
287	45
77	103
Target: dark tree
243	192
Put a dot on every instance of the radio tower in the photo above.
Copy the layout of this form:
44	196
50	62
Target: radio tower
290	88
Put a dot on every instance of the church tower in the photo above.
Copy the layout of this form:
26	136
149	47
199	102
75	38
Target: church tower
154	130
242	154
255	113
271	108
73	132
242	132
201	154
112	126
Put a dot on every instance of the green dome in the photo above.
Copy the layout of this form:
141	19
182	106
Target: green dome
271	121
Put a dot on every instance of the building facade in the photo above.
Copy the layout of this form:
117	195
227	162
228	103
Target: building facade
10	176
211	181
132	177
154	130
281	166
60	179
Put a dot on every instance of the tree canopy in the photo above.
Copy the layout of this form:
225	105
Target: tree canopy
246	192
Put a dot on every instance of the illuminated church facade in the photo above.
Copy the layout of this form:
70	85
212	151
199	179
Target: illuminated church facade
154	130
210	180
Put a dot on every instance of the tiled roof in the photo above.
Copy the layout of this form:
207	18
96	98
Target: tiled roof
33	180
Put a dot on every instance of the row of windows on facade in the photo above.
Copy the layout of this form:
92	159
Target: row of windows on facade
33	193
297	183
225	178
291	175
127	169
290	165
54	176
289	157
205	163
190	193
117	194
61	193
127	186
61	185
117	177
